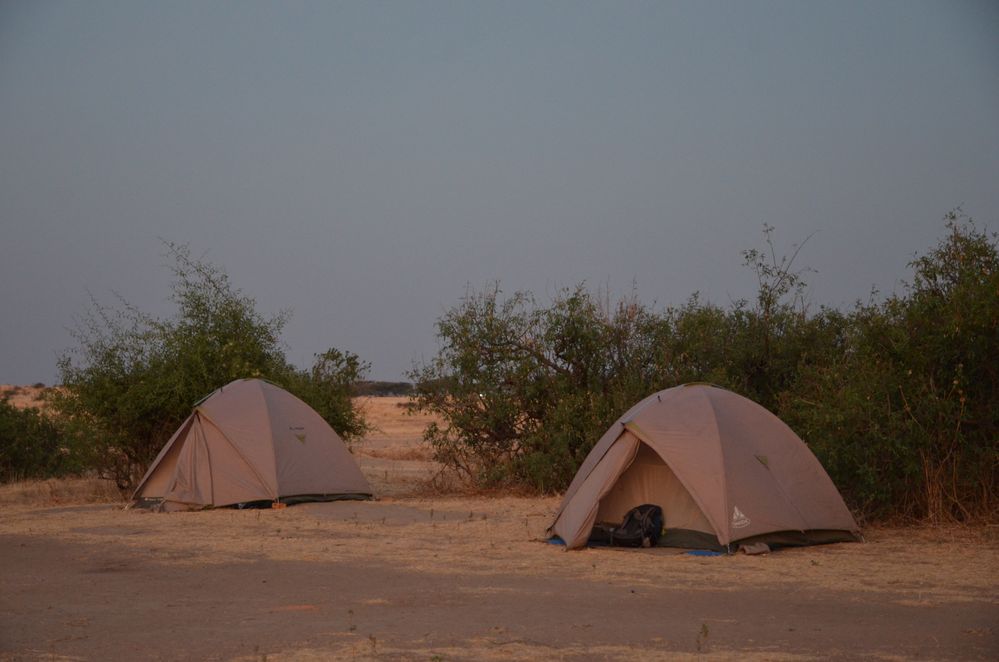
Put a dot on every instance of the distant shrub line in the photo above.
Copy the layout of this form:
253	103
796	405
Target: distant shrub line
379	389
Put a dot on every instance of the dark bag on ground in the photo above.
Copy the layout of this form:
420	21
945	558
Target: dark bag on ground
641	527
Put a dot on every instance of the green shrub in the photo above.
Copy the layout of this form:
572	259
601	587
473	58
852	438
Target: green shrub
898	398
905	414
133	378
32	445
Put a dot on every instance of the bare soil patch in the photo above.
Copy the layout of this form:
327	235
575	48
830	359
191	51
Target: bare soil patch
23	397
394	457
414	576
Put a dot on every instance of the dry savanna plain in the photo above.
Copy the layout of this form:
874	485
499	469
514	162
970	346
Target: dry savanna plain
424	573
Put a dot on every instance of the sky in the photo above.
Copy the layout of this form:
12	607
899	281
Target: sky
365	164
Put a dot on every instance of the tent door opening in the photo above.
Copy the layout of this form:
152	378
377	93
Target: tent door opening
648	479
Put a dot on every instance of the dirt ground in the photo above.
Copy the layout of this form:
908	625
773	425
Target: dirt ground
421	576
24	396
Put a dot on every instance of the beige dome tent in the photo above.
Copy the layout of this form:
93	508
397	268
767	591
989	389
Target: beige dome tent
251	441
725	471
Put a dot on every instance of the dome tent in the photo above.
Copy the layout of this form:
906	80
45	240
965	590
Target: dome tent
251	441
725	471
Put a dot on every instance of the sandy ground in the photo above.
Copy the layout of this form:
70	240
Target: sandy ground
24	396
419	576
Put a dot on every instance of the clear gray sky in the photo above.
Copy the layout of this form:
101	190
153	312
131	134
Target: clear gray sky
362	163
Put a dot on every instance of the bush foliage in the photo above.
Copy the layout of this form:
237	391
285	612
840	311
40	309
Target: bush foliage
905	412
899	399
32	445
133	378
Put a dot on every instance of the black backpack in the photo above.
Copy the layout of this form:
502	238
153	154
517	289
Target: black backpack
641	527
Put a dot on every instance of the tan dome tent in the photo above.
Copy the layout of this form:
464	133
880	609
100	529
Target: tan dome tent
725	471
251	441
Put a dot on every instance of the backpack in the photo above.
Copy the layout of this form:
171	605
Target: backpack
641	527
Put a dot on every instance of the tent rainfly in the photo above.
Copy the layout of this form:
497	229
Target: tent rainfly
726	472
251	441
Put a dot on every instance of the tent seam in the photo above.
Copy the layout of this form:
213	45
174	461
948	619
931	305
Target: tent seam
208	454
234	448
724	474
270	428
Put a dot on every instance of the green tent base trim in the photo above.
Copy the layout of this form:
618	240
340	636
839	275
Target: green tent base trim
159	504
688	539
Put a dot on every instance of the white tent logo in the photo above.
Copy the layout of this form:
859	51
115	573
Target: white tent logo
738	519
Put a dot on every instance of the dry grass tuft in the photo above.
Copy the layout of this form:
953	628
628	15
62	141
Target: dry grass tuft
56	491
24	397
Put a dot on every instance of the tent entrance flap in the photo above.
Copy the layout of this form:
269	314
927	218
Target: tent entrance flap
191	481
579	513
650	480
158	478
